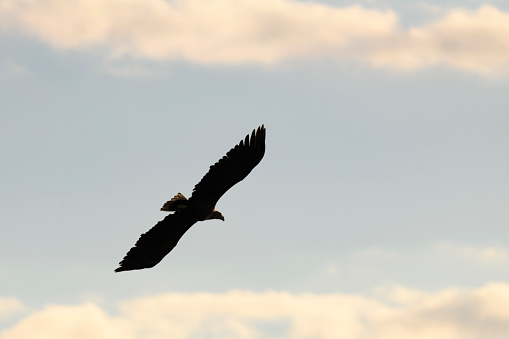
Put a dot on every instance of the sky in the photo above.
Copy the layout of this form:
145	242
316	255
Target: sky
379	209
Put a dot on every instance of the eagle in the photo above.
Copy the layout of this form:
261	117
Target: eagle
155	244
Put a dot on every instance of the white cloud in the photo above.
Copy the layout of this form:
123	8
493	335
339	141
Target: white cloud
10	69
480	255
10	306
443	252
431	266
401	294
133	69
213	31
264	32
84	321
447	314
468	40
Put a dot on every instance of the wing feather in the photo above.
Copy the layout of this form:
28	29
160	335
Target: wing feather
155	244
232	168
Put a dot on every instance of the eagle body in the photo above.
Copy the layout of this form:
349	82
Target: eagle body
202	210
155	244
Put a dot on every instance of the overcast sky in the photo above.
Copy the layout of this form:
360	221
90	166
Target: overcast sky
379	210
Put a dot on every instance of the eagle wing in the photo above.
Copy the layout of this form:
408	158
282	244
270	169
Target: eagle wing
155	244
231	168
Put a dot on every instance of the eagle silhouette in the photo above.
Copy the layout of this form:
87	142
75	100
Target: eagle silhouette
155	244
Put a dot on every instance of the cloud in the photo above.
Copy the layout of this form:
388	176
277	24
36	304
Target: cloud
475	41
447	314
84	321
444	252
10	306
10	69
265	32
491	256
213	31
401	294
431	265
132	69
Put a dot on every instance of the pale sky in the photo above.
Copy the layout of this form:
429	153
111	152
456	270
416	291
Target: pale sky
379	210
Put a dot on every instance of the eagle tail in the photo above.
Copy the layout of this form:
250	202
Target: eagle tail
176	204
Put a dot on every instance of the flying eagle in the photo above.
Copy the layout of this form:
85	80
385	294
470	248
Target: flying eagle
154	245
